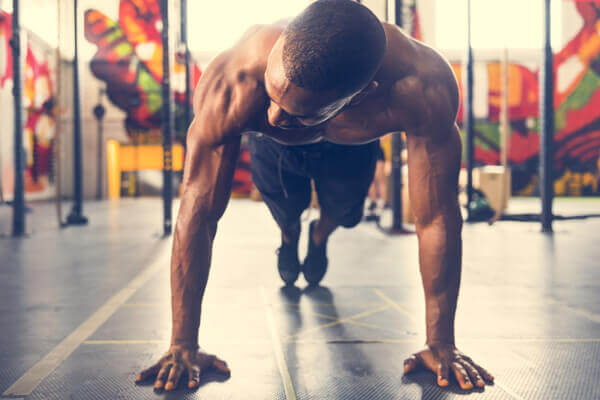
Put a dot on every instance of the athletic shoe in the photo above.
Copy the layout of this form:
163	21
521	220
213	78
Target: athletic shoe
288	263
315	263
370	212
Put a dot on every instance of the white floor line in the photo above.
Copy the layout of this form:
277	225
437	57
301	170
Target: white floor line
578	311
288	387
27	383
507	390
394	304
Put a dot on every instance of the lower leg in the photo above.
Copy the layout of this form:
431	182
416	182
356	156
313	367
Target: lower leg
291	233
322	229
288	263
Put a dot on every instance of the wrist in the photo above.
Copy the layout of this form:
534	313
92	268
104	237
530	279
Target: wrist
184	337
440	343
440	337
184	333
185	344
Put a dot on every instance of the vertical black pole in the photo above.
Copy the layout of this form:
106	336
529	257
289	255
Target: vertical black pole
76	216
468	114
397	154
99	112
184	41
547	125
397	181
167	124
19	191
99	160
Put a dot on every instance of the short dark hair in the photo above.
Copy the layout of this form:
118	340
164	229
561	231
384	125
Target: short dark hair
333	45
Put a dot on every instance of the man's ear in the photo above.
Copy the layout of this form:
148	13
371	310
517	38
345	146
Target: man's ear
360	96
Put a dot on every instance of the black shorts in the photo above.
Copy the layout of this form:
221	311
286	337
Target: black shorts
342	176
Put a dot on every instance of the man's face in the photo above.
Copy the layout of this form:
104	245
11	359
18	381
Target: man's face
292	107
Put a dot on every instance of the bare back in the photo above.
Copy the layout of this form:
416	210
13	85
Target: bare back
415	83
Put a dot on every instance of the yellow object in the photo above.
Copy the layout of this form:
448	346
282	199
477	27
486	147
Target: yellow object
560	185
589	180
386	146
126	158
573	183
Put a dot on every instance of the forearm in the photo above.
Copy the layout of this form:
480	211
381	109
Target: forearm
440	249
190	265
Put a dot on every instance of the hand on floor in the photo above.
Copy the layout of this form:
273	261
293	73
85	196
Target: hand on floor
175	362
445	360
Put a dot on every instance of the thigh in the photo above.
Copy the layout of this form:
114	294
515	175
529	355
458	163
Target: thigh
277	174
343	179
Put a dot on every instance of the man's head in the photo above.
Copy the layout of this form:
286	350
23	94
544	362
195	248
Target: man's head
326	57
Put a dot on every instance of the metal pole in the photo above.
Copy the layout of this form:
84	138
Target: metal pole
99	112
19	191
396	181
2	200
57	113
167	124
76	216
99	161
547	125
505	111
397	153
468	115
184	41
504	134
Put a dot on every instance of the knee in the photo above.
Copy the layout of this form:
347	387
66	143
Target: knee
352	220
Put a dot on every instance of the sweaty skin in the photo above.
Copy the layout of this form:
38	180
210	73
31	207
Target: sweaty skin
245	89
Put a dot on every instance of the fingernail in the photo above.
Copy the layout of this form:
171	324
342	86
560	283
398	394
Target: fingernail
158	384
191	384
169	386
469	385
443	382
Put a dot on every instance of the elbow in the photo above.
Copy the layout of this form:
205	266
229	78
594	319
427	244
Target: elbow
197	211
199	225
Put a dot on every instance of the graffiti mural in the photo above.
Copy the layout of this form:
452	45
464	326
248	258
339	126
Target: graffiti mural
39	121
577	120
129	60
5	51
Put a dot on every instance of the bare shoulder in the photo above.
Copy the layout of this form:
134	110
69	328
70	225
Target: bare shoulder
424	84
254	47
231	89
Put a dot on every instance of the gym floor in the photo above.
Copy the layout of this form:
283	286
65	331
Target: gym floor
84	309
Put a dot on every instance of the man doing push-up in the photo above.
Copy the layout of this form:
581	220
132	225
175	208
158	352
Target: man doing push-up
314	95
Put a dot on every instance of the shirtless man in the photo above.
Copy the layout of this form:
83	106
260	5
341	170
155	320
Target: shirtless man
334	76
